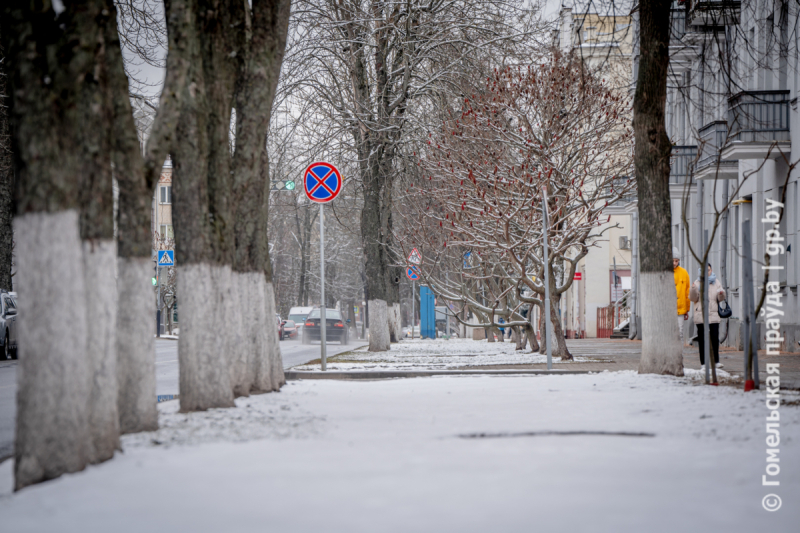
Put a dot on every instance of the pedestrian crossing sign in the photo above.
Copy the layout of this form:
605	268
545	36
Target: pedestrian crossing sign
415	258
166	258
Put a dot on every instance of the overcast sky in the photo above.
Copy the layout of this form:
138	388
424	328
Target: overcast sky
152	78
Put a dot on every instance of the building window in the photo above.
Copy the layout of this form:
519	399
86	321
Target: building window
165	194
165	230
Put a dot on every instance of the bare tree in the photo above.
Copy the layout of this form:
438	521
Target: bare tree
375	59
223	55
661	352
63	66
555	126
258	361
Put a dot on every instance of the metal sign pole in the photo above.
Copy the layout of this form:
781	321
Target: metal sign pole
158	299
701	246
413	307
319	188
158	270
323	323
548	327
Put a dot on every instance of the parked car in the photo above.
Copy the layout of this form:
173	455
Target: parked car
289	330
298	316
335	329
280	326
8	326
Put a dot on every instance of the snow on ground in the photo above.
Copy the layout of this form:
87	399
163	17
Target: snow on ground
366	456
437	354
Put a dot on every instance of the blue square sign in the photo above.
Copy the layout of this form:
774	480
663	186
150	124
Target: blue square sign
166	258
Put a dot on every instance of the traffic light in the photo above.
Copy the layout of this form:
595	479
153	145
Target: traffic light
289	185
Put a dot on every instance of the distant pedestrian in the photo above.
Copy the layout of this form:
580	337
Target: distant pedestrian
682	284
714	294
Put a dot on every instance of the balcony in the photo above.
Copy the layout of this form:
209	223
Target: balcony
681	169
714	13
713	137
682	164
759	125
677	17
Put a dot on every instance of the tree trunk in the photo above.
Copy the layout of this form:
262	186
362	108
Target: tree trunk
531	330
6	187
257	80
277	377
395	329
241	351
206	39
378	335
559	344
542	332
61	75
661	351
375	267
52	427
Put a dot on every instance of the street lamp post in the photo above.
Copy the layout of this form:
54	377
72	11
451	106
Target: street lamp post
548	327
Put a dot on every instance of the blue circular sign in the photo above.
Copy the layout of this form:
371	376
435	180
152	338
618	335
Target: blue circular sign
322	182
412	273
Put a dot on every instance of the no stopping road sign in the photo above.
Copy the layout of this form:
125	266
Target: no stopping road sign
322	182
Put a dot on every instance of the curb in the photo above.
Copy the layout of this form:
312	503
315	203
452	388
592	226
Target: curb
292	375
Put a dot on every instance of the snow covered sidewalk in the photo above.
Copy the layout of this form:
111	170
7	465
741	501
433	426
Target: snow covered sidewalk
436	354
439	454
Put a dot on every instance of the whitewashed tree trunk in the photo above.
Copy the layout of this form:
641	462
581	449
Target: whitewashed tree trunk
398	321
273	344
241	346
395	323
378	326
53	377
261	365
251	298
662	353
518	338
136	361
99	266
205	380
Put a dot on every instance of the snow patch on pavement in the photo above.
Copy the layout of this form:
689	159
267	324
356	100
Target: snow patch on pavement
438	354
262	416
360	456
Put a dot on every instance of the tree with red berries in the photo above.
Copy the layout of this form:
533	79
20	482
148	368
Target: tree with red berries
554	130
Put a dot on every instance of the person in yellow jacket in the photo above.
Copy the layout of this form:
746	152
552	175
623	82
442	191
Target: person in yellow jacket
682	286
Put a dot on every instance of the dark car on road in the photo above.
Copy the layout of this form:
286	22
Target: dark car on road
335	330
289	330
8	326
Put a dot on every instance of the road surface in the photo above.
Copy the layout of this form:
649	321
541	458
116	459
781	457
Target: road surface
294	353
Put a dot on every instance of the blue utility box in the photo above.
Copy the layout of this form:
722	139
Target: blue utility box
427	313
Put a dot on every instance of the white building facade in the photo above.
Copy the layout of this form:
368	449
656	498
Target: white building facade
733	119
